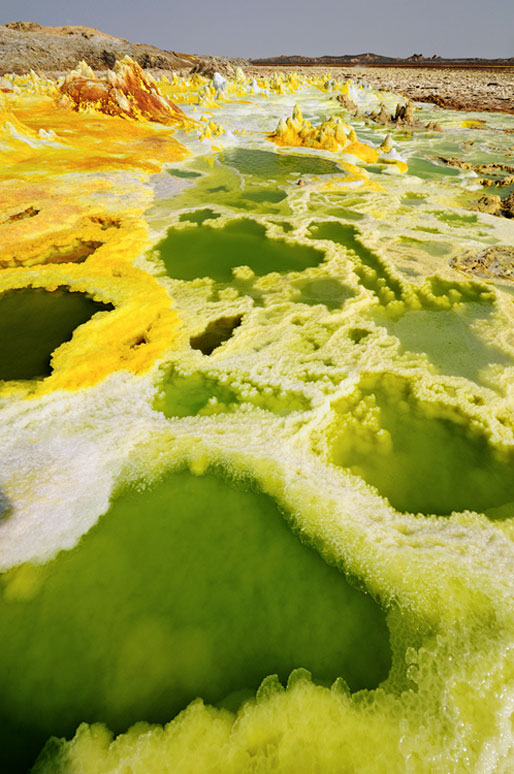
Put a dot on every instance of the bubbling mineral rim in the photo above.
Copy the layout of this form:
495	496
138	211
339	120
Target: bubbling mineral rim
277	446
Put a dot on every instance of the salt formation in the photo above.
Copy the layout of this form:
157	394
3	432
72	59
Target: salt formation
332	135
126	91
219	82
276	326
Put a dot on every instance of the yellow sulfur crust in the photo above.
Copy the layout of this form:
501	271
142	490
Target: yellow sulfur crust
50	223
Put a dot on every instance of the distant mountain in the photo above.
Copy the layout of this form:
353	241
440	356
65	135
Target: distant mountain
26	45
370	59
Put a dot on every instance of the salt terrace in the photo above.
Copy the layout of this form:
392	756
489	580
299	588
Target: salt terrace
258	427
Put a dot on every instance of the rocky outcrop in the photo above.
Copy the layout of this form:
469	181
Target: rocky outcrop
494	263
491	168
208	66
348	104
495	205
465	102
498	175
28	46
402	116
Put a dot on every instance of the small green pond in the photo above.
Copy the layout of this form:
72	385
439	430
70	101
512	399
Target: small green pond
203	251
33	323
266	164
191	588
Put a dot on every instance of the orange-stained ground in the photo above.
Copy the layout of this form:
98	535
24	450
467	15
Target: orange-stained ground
60	227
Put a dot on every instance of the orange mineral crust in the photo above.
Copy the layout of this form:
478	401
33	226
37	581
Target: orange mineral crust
125	91
72	201
39	139
63	225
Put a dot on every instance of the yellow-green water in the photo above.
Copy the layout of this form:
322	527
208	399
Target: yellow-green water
192	588
214	252
318	475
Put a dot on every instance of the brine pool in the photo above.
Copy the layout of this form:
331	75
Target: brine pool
287	543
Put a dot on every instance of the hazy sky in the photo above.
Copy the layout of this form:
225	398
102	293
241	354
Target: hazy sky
271	27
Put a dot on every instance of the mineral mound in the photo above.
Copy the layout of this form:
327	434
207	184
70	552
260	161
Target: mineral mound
126	91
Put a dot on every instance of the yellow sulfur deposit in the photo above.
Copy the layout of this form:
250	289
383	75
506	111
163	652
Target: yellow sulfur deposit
132	337
50	223
333	135
256	467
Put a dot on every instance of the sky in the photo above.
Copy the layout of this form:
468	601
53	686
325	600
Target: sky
263	28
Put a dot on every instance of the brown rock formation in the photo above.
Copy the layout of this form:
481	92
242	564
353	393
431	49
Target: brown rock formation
464	102
403	116
495	205
209	65
27	45
494	263
347	104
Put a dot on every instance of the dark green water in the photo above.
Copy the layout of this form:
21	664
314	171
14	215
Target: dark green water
193	588
270	164
323	290
184	173
192	395
434	465
448	339
266	195
427	170
370	269
455	219
199	216
202	251
33	323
